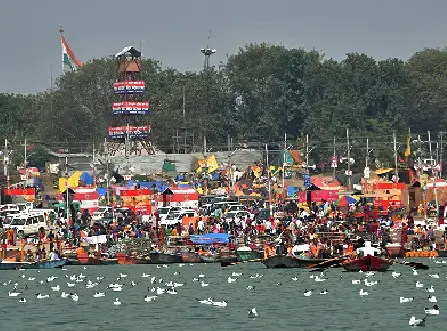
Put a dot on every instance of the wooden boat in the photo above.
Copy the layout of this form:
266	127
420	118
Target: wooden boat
367	263
395	250
53	264
92	261
211	258
165	258
227	260
86	259
142	260
123	258
287	261
190	257
249	255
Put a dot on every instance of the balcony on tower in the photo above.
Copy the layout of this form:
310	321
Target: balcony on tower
129	62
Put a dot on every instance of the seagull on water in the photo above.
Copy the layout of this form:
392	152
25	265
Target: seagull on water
416	322
405	300
433	311
252	313
430	289
150	298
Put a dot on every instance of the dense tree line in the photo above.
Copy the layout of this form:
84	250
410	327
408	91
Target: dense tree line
261	93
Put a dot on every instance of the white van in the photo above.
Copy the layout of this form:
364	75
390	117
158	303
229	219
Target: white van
28	223
25	206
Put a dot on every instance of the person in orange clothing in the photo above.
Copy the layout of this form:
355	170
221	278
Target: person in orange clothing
10	237
80	250
314	249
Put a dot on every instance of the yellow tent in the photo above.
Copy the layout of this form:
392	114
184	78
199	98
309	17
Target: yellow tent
382	171
211	164
73	181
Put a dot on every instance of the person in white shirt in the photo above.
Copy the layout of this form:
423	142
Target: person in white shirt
200	226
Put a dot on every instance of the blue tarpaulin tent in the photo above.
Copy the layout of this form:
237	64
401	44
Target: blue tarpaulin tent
86	178
291	191
210	239
102	191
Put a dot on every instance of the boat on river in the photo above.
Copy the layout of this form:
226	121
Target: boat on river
367	263
209	258
247	254
288	261
165	258
12	265
89	259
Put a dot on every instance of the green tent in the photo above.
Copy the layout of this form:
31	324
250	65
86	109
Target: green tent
168	166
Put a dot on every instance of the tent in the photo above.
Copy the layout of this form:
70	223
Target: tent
86	178
345	201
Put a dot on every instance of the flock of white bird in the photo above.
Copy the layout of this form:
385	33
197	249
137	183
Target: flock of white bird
157	286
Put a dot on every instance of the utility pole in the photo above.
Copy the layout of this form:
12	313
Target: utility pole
268	179
67	206
107	170
6	162
307	153
441	152
334	158
434	175
349	160
24	165
367	153
126	140
395	156
93	163
284	167
184	105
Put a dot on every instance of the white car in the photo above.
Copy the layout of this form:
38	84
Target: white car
97	215
237	214
28	224
177	217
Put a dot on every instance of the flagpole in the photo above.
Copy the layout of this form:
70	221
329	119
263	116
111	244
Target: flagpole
61	31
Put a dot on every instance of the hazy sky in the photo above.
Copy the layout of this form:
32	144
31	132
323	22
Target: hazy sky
175	30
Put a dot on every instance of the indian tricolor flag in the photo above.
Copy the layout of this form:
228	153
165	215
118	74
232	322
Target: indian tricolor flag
68	57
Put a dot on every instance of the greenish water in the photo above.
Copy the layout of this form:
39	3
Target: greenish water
279	306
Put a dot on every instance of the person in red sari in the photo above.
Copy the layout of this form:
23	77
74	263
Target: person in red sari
403	235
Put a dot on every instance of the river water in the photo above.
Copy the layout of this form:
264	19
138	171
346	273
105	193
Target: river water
278	299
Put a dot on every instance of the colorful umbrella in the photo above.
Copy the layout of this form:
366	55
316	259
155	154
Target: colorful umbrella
345	201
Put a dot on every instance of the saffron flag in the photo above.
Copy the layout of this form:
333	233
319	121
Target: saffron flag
408	149
69	59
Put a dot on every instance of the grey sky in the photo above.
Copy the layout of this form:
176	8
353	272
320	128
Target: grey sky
175	30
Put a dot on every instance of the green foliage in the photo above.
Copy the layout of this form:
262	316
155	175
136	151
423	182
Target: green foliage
261	93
